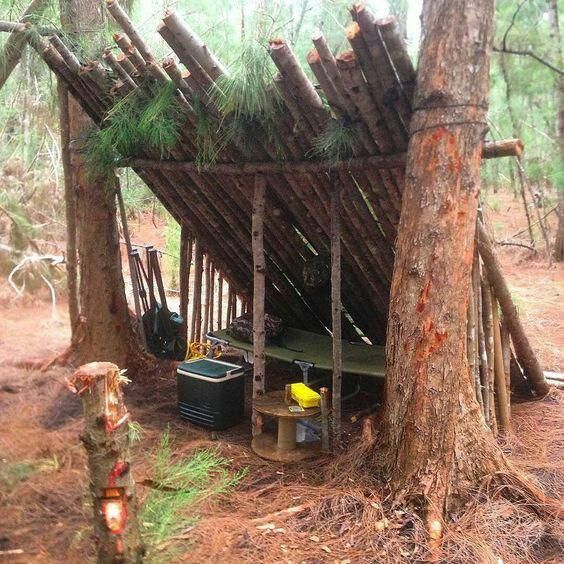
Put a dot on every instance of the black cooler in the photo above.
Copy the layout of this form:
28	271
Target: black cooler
211	393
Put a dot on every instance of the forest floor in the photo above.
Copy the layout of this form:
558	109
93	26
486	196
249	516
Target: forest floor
341	516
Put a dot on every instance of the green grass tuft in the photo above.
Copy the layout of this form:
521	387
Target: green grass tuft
192	479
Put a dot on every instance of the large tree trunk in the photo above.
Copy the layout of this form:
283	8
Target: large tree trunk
106	331
440	446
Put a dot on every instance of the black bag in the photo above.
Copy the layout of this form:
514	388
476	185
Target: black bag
163	328
242	327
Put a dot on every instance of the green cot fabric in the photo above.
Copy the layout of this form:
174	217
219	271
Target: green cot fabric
296	345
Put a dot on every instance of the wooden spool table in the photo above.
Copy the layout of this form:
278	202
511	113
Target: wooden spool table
283	447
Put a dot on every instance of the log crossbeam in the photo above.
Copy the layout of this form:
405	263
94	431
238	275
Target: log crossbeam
491	150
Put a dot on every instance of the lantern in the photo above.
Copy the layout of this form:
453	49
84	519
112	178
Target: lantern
114	510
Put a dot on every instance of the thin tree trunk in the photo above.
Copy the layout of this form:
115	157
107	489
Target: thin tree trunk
336	310
483	354
472	330
106	440
523	350
259	270
558	253
206	306
439	446
220	301
70	209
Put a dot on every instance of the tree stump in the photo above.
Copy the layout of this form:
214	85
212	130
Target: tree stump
106	439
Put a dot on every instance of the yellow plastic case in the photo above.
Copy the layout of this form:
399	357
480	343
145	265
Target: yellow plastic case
306	397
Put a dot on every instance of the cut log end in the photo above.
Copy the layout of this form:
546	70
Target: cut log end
312	57
346	59
353	30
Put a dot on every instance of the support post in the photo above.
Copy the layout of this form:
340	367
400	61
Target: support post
336	309
259	272
184	276
324	393
106	439
197	297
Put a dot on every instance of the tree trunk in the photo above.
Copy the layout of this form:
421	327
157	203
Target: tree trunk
184	276
106	331
106	440
439	444
259	273
555	32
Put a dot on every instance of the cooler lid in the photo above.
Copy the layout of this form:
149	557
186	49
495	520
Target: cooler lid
209	369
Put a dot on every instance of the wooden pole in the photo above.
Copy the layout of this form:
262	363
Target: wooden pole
70	208
106	439
489	344
482	353
207	283
500	384
184	277
220	301
197	296
325	445
259	272
132	268
472	330
211	297
494	149
523	350
336	309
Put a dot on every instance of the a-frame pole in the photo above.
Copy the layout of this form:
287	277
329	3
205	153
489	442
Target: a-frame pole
259	271
336	308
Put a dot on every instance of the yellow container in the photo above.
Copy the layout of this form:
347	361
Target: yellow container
306	397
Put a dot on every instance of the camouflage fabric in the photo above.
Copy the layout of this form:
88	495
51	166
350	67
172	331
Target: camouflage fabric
242	327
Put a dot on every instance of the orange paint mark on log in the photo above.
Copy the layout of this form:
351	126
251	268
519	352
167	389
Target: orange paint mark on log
423	297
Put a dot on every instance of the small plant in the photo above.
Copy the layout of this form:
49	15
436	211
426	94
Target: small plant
181	485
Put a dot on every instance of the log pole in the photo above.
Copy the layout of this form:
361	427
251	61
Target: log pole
106	439
184	277
336	309
489	382
259	272
324	405
500	384
197	297
523	350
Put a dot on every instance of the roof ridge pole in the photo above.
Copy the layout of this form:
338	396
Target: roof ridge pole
259	272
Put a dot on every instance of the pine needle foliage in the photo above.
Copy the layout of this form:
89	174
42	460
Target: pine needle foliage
336	142
181	485
147	119
247	105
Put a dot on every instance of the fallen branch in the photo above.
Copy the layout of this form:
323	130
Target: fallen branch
283	513
514	244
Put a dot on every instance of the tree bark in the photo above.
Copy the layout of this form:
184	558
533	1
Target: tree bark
439	445
106	330
184	276
106	440
258	296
